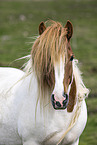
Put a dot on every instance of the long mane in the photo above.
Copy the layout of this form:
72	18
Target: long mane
47	49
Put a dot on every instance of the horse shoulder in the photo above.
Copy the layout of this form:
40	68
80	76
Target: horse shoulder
77	130
83	116
9	72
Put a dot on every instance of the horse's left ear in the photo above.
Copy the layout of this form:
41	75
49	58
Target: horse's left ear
69	27
42	28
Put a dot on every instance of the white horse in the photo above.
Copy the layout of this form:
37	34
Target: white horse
45	103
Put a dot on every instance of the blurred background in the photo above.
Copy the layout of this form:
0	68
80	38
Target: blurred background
19	21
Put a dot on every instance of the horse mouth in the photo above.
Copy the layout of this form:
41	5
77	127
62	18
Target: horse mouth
60	105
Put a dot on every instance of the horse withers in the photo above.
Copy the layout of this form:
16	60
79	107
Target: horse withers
45	103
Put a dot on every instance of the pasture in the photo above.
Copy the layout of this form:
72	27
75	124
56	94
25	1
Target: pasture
19	21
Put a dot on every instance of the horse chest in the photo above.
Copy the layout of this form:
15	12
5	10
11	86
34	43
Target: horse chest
46	129
8	135
58	128
49	130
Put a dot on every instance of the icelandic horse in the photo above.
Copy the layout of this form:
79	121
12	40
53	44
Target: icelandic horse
44	104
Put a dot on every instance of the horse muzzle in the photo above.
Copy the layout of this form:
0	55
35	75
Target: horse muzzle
60	104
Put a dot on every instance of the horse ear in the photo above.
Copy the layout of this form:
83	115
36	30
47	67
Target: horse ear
72	97
69	27
42	28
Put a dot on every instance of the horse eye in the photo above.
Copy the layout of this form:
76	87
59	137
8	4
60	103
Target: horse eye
71	58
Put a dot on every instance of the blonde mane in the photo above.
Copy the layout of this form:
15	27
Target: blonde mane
47	49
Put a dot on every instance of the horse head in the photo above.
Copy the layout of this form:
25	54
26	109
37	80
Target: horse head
52	57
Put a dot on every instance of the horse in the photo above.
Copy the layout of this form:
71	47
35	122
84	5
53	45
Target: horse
44	104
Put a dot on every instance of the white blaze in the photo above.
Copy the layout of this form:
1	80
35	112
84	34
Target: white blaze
59	77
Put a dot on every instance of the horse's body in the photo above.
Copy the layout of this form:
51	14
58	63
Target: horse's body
24	119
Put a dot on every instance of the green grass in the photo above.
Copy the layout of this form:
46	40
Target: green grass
19	21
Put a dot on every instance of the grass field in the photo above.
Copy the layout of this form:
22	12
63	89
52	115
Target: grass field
19	20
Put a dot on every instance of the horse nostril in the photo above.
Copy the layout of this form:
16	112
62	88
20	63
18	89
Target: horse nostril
64	102
53	99
58	104
65	96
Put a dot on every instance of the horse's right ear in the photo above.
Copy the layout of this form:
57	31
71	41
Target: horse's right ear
69	29
42	28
